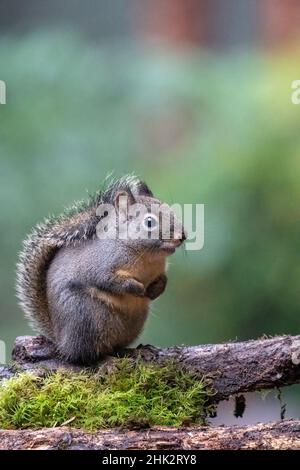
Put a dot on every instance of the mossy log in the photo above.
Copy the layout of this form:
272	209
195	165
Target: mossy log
280	435
234	368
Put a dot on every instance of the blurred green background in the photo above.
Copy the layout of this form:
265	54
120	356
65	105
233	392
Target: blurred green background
200	125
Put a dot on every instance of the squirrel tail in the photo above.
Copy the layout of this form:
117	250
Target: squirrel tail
37	253
39	249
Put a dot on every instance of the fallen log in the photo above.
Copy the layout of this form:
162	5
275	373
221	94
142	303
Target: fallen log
234	367
280	435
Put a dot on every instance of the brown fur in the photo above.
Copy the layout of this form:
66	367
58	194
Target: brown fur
145	269
122	303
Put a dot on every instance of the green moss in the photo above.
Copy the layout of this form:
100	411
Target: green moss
130	395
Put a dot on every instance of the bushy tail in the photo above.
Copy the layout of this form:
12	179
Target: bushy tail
37	253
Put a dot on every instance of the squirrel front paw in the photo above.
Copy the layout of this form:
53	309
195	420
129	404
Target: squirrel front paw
157	287
134	287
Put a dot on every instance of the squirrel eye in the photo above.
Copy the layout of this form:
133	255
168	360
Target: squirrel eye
150	222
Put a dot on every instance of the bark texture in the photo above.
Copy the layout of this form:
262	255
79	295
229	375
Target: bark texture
281	435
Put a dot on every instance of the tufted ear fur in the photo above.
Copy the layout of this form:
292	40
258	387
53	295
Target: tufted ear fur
130	184
122	201
142	189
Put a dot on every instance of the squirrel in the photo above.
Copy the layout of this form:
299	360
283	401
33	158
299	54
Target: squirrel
90	295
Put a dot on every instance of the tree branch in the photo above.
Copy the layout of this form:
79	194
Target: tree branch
281	435
234	367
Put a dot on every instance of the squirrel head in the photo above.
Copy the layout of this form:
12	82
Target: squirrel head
130	213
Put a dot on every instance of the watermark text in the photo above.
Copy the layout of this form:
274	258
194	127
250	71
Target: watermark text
2	352
295	96
166	226
2	92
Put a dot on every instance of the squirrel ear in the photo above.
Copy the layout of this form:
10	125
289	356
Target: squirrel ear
122	201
